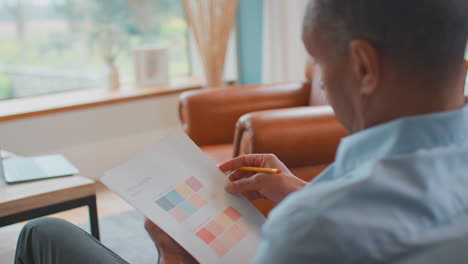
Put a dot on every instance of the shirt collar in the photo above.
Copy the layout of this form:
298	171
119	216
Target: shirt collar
404	135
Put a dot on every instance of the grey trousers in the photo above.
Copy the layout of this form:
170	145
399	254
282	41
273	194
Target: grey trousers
53	241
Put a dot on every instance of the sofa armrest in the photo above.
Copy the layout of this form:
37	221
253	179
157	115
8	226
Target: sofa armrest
303	136
209	116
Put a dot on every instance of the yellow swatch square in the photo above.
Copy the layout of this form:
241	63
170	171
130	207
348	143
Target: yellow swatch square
184	190
224	220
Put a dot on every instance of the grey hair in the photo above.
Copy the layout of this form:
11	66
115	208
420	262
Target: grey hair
426	34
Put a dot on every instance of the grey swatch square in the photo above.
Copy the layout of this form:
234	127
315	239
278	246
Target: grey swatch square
165	204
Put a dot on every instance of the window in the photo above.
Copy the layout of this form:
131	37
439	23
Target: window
49	46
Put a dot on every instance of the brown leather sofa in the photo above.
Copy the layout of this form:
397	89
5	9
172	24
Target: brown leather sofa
275	118
209	117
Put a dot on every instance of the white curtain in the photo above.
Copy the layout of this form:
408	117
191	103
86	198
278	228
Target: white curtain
284	55
211	22
230	67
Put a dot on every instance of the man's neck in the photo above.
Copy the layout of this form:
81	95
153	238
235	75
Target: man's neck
402	104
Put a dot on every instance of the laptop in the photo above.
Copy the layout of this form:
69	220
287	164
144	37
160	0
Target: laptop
15	170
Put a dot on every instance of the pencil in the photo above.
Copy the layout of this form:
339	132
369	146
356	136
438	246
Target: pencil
257	169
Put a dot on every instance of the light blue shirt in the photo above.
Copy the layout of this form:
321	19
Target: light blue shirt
393	189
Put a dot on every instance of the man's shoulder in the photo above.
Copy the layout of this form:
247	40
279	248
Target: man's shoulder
429	180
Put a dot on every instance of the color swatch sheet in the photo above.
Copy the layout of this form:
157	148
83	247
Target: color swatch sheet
180	189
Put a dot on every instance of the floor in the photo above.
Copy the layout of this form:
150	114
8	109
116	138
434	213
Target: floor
108	204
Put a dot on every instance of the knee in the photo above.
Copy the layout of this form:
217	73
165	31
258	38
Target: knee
36	235
44	224
43	228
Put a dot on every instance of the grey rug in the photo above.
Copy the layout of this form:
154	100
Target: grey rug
125	235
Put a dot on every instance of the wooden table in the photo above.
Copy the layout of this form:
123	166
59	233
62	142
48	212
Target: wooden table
24	201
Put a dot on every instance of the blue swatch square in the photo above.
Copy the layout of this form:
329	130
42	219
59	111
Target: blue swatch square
174	197
165	204
188	207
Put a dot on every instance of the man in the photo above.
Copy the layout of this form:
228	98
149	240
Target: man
392	71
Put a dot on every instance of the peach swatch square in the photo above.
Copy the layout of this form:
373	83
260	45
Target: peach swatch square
198	201
179	215
218	248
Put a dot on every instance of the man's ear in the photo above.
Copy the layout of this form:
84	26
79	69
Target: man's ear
366	63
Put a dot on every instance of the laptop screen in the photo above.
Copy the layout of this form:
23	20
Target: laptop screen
1	166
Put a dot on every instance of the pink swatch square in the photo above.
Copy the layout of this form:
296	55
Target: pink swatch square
215	228
198	201
232	213
205	235
237	232
179	215
194	184
218	248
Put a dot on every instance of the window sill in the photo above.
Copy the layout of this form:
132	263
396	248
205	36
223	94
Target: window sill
69	101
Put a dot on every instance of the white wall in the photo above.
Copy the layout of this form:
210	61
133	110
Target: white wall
94	139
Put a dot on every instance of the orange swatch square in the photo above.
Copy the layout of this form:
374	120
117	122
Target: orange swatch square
232	213
205	235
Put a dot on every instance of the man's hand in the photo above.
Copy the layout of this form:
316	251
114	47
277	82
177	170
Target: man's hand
170	252
274	187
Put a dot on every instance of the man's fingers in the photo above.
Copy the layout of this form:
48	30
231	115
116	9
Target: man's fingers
149	225
243	185
252	195
245	160
237	175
